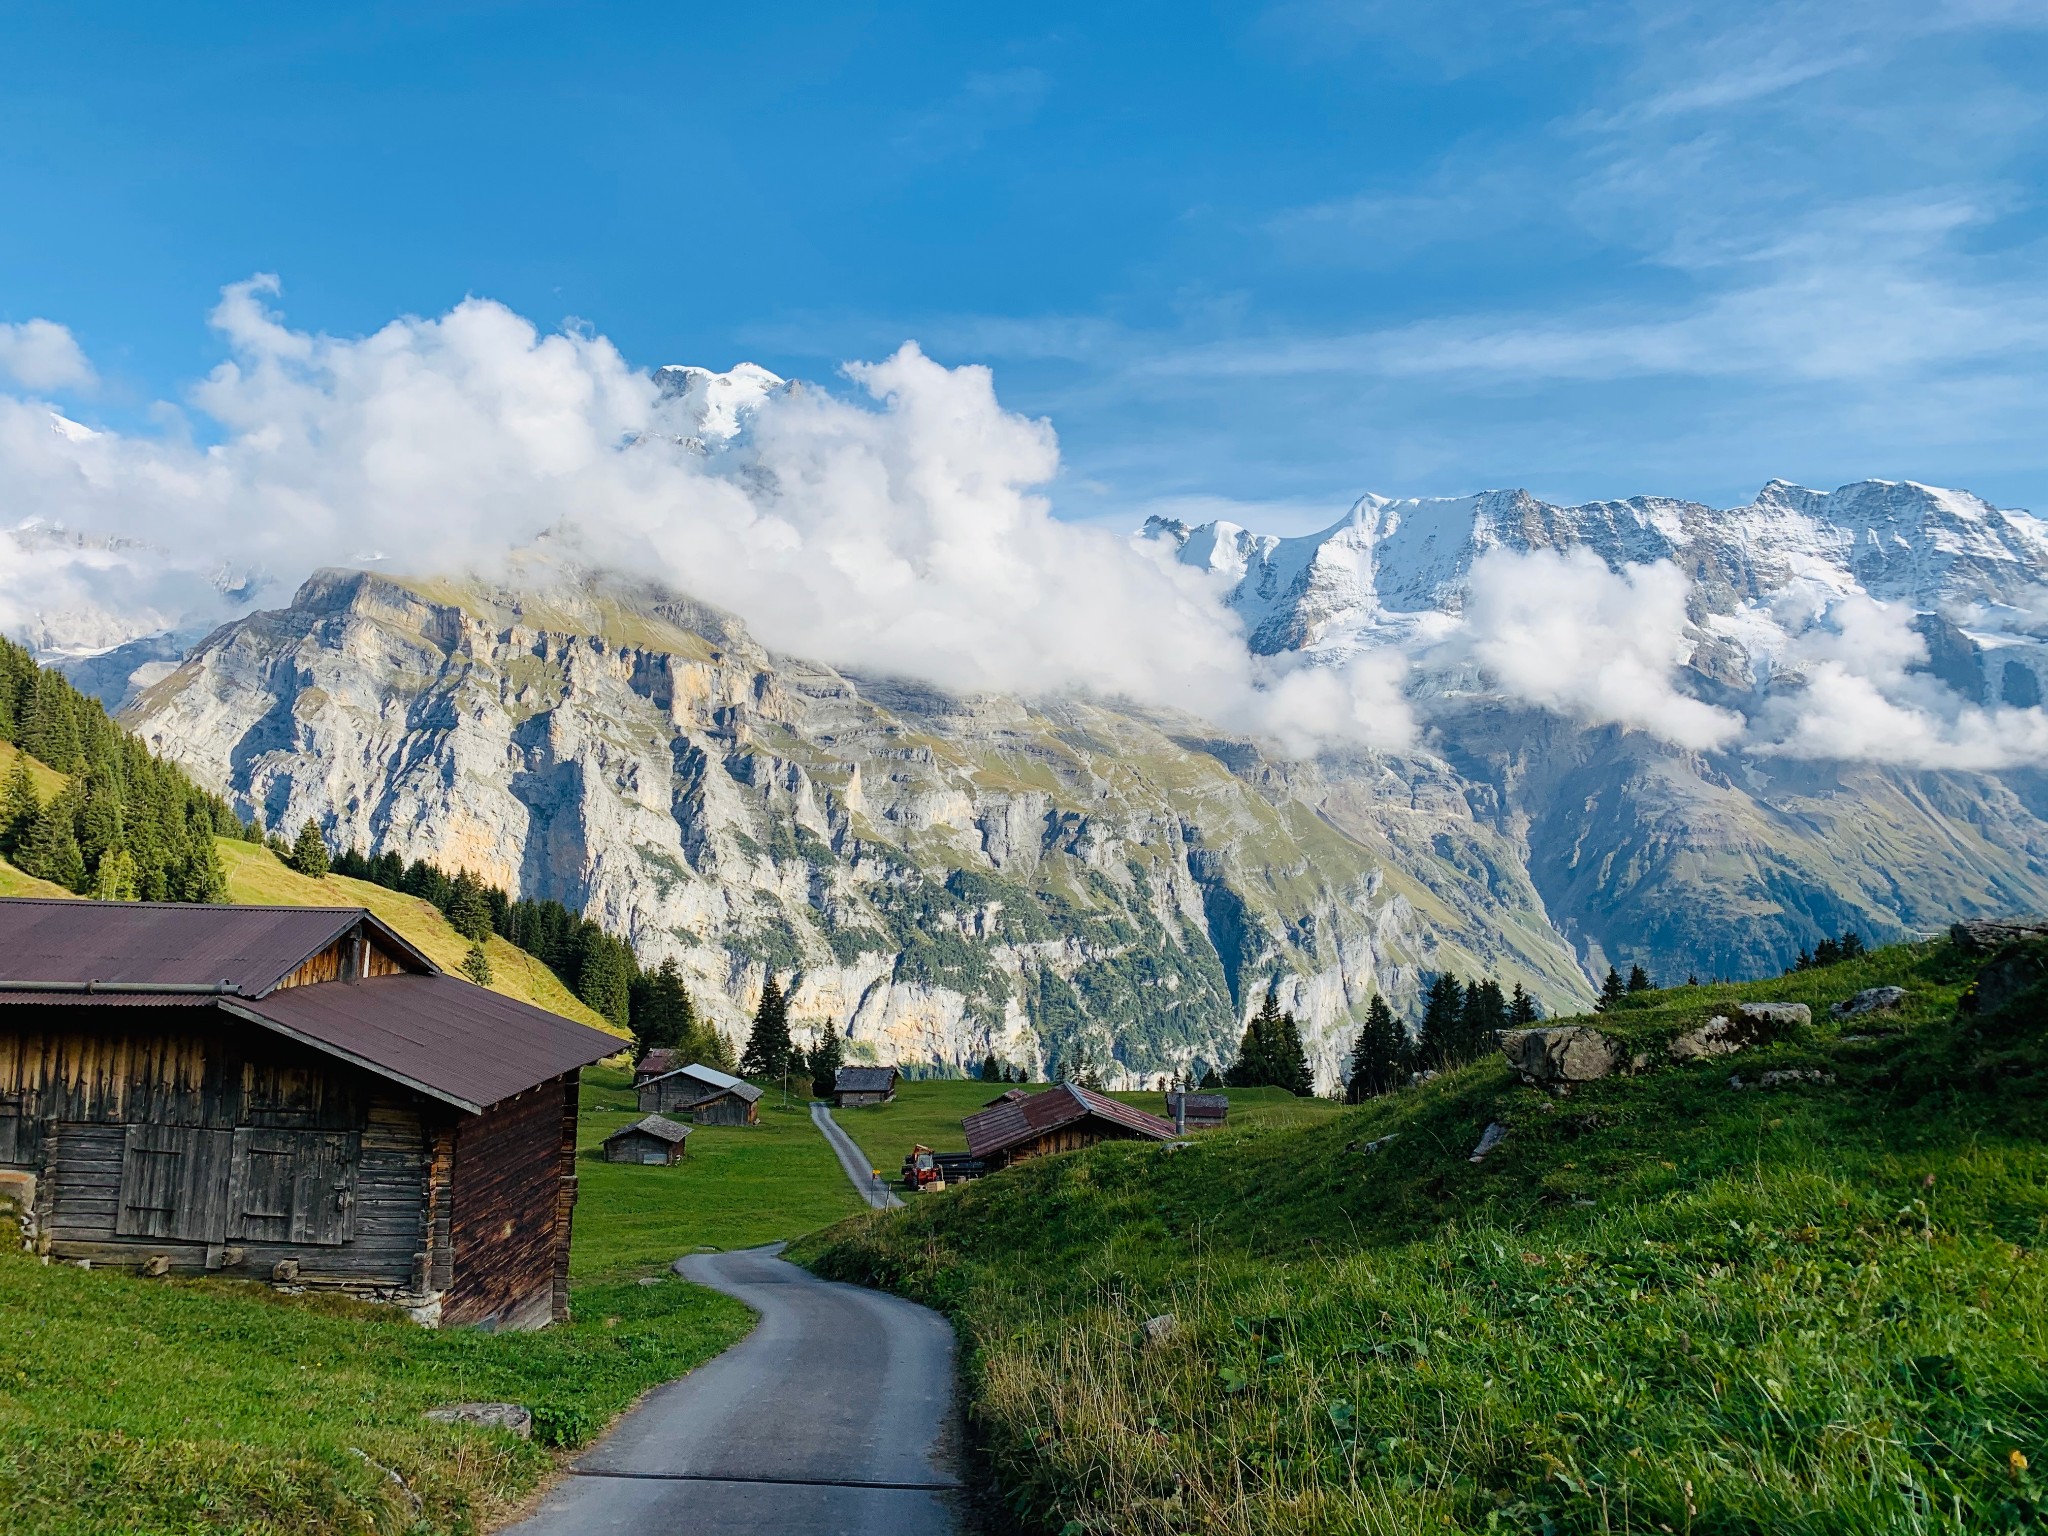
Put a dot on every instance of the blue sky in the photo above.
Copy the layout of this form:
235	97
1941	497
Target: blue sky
1250	260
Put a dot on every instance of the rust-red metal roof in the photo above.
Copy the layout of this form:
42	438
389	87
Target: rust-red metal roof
446	1037
168	943
994	1130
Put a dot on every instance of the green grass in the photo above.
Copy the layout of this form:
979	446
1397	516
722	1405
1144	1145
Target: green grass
736	1187
141	1407
1662	1304
930	1113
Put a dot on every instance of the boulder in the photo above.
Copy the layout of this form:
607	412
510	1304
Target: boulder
1869	1000
1772	1017
1490	1138
1785	1077
1719	1036
505	1416
1160	1329
1988	938
2008	976
1569	1053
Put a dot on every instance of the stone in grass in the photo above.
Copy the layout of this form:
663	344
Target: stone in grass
1561	1054
1489	1138
506	1416
1869	1000
1777	1015
1161	1329
1786	1077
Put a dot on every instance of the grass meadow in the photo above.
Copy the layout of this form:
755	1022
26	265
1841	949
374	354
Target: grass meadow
1664	1303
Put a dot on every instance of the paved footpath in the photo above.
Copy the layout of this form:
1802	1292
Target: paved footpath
871	1189
834	1417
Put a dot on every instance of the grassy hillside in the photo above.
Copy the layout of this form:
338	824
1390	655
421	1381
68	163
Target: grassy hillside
1663	1303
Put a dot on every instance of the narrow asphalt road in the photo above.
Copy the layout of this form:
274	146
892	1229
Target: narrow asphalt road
871	1189
834	1417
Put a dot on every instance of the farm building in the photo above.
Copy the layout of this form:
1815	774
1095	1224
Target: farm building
1197	1111
1007	1096
654	1141
287	1093
855	1086
656	1062
1058	1120
708	1096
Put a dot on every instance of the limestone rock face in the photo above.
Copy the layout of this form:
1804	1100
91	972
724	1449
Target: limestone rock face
942	877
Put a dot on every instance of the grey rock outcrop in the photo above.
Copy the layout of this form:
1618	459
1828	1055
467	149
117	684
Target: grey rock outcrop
1987	937
1719	1036
1561	1054
1775	1018
1870	1000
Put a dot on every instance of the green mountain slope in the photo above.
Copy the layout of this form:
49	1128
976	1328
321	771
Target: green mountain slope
1662	1303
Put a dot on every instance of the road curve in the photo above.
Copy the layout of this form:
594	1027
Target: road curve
834	1417
871	1189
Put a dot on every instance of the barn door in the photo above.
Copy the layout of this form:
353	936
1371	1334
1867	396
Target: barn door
174	1183
293	1187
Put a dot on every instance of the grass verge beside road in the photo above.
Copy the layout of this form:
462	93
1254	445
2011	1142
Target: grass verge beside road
150	1407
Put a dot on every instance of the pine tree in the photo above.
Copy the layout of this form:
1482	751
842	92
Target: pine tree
1852	945
991	1070
1210	1081
1483	1017
1256	1065
707	1044
309	851
469	910
1379	1059
1826	952
1522	1011
476	965
1290	1061
50	852
19	806
768	1048
663	1015
1438	1042
1638	979
604	976
1612	991
827	1056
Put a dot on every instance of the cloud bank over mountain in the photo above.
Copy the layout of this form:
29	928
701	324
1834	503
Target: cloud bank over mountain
904	527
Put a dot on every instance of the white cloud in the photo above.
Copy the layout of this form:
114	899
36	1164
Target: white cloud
1565	632
1863	702
906	533
40	354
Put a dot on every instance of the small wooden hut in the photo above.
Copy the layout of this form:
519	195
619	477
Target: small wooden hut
1198	1111
655	1141
287	1093
1058	1120
855	1086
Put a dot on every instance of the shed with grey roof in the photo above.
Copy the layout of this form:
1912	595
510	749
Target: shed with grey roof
855	1086
654	1141
707	1095
287	1093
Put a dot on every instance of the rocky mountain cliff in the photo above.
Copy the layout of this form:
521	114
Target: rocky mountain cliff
948	876
943	877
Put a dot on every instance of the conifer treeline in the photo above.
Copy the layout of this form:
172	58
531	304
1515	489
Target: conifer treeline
1460	1022
125	826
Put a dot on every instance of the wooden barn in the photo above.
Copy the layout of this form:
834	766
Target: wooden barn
854	1086
706	1095
654	1141
1198	1111
1058	1120
287	1093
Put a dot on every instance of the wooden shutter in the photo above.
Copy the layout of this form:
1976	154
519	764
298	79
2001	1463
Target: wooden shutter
174	1183
294	1187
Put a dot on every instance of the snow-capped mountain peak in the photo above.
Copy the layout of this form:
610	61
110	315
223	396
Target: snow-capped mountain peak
710	408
